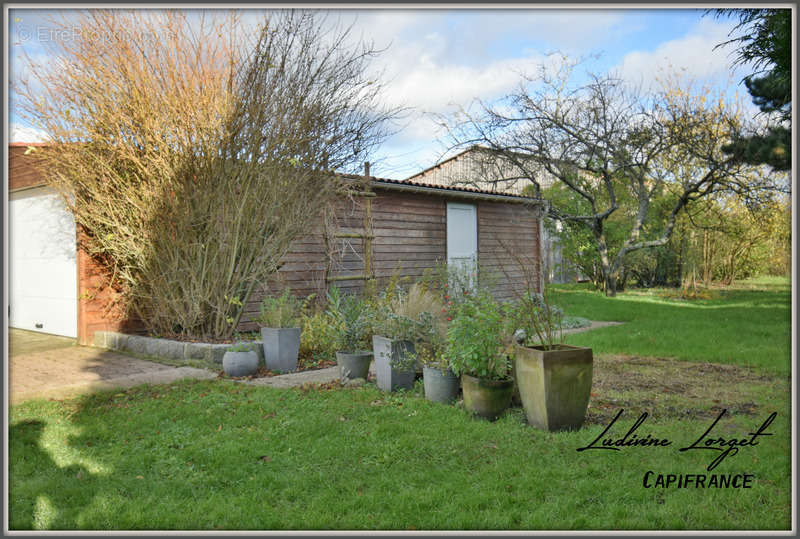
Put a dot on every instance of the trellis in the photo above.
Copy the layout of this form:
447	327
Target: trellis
366	235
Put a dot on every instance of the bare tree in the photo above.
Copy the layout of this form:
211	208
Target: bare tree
601	139
193	152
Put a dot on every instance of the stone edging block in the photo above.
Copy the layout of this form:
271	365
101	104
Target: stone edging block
169	349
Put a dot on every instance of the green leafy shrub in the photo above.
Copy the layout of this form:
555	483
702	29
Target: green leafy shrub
476	338
456	282
413	315
284	311
352	317
432	341
318	339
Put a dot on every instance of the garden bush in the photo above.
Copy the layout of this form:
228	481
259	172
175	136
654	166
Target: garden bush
319	335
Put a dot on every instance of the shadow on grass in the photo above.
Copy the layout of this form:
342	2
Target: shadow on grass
210	455
54	495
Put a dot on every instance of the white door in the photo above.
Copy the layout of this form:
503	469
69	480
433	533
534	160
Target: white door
462	239
42	265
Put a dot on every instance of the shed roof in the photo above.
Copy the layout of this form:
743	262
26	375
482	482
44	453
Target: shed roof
451	190
408	185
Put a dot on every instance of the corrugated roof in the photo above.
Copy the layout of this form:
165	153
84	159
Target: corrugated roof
387	182
459	188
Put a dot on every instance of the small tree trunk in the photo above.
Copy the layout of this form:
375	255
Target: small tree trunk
611	286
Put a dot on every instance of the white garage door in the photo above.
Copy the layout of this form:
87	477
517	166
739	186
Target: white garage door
42	267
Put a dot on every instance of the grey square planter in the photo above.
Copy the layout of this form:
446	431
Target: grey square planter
281	346
388	352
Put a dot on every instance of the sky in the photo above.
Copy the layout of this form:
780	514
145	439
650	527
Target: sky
437	60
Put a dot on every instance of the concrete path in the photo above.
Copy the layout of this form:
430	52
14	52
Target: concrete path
47	366
595	325
330	374
297	379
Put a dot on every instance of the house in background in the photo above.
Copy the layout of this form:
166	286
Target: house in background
480	168
396	227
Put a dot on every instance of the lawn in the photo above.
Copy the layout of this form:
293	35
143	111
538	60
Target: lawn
749	324
218	455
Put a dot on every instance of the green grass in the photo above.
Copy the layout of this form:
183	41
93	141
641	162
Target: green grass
749	324
210	455
217	455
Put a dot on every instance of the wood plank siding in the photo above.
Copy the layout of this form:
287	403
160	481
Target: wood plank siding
99	308
410	236
508	248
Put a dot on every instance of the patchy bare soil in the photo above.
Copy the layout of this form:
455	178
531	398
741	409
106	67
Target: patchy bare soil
667	388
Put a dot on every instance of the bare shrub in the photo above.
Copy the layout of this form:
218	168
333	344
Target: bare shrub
193	152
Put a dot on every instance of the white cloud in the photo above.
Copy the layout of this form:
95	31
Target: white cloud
438	60
20	133
693	55
434	85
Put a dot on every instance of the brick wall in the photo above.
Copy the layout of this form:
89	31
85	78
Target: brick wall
22	170
98	305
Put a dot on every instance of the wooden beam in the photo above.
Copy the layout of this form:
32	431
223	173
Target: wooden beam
362	235
348	278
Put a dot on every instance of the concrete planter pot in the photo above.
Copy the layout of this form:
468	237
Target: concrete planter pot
554	385
281	346
353	365
240	363
487	398
390	357
440	386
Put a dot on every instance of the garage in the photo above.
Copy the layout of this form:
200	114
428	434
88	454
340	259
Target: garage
43	288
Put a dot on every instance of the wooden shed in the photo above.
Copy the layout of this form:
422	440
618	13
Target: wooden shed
408	227
400	226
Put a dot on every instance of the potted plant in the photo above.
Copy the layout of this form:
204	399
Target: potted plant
394	352
280	331
477	349
240	360
440	382
353	329
554	379
395	331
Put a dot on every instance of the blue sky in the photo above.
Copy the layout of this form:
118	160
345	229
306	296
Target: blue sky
438	59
